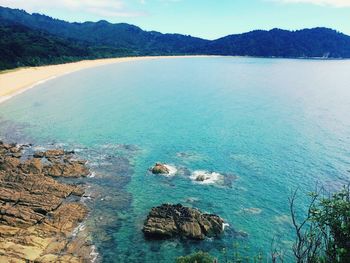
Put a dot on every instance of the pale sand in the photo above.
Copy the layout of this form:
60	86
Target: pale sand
16	81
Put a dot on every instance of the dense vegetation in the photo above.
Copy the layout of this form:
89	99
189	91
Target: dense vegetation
316	42
325	235
34	39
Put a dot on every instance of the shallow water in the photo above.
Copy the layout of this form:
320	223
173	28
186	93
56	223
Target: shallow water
266	126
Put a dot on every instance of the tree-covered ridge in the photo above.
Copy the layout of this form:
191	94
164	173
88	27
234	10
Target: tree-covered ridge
21	46
120	35
34	39
316	42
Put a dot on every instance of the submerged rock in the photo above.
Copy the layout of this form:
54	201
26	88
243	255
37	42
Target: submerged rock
160	168
252	210
168	221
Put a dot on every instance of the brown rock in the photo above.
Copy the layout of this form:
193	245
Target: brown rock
9	163
33	166
160	168
36	219
178	221
54	153
75	169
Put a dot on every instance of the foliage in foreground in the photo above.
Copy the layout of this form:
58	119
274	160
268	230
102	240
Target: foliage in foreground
322	236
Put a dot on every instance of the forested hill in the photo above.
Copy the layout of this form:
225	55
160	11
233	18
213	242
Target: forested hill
34	39
316	42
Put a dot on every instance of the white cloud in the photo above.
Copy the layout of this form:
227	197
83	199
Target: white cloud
103	8
333	3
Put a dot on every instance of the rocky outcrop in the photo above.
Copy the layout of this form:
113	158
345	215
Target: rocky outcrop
160	168
37	218
167	221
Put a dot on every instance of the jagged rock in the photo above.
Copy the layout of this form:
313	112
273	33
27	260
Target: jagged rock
160	168
16	155
54	153
36	218
66	169
201	178
33	166
168	221
9	163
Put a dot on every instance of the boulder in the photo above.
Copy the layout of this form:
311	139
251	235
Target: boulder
167	221
160	168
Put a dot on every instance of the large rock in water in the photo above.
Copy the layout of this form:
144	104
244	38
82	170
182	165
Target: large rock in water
160	168
168	221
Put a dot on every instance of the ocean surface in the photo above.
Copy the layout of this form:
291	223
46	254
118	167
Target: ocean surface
259	128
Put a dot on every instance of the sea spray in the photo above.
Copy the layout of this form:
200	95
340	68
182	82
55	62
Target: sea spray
205	177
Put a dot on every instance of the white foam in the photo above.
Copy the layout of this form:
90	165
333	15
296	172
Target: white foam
172	170
78	229
92	175
225	225
205	177
93	254
39	148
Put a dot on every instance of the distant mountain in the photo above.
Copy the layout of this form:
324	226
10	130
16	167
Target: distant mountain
316	42
34	39
104	33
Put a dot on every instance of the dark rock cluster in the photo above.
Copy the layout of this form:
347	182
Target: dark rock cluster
169	220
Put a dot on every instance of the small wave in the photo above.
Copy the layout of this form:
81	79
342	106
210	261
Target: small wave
191	200
78	229
39	148
205	177
92	175
172	170
251	210
225	225
93	254
189	157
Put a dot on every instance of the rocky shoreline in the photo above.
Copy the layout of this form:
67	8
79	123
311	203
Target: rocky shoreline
38	214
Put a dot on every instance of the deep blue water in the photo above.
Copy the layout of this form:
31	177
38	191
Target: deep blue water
267	126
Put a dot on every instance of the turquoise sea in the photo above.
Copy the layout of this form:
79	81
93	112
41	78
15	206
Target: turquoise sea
267	126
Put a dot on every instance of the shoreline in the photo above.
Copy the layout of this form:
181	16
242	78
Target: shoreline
45	217
17	81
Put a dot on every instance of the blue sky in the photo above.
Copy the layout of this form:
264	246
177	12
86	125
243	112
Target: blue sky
204	18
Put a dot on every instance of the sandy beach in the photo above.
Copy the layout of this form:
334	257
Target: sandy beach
14	82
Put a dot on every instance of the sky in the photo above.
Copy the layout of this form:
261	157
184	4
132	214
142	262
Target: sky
208	19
